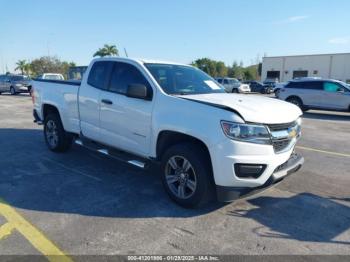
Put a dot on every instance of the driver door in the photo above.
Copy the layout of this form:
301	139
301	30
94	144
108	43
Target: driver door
334	98
125	122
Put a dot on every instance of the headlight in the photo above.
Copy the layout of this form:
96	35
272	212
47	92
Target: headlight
299	121
18	85
257	134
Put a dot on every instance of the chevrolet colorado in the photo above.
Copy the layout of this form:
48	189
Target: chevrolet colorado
206	140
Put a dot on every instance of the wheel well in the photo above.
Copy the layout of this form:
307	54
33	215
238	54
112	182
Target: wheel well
48	109
167	139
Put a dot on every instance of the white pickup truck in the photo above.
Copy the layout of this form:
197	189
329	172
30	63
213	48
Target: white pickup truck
206	140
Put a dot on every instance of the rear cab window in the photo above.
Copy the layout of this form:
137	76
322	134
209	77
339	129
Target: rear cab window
99	74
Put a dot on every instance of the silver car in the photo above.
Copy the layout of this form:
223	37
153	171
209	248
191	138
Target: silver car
232	85
15	84
317	94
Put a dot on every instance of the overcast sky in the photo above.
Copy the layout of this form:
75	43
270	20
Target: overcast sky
177	30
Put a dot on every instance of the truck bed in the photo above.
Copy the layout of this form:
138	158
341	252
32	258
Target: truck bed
63	95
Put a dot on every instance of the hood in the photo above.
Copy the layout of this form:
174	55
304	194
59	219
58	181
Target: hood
252	108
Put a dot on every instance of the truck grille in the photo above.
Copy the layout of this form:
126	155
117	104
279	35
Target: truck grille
281	143
279	127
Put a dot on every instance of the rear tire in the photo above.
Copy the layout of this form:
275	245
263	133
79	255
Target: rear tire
13	91
235	90
56	138
296	101
186	175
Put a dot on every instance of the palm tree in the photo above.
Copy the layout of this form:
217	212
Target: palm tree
21	65
27	68
107	50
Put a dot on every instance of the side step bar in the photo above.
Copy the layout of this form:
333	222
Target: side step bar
111	152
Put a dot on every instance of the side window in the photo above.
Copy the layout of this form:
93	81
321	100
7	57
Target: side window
314	85
123	75
291	85
99	74
219	80
225	82
330	87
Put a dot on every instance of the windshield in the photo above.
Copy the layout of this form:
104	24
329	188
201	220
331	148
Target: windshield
19	78
183	80
53	77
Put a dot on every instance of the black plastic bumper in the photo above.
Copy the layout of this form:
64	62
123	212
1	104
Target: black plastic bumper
227	194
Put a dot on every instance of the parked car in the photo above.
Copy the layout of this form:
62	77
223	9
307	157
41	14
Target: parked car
278	87
205	140
15	84
258	87
76	72
271	82
51	76
232	85
317	94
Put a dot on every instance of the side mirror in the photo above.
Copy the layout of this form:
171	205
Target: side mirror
341	90
138	91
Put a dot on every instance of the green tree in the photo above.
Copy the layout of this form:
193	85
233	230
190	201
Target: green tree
221	69
27	68
21	65
49	64
211	67
107	50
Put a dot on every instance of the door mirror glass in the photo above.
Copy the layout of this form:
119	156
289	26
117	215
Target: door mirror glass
341	90
137	91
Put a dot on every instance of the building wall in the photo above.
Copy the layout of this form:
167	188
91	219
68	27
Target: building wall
336	66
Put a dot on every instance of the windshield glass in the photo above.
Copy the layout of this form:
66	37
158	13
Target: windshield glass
183	80
19	78
53	77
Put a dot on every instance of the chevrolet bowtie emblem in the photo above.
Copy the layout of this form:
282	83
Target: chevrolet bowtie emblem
292	133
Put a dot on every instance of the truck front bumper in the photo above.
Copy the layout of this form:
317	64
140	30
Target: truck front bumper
227	194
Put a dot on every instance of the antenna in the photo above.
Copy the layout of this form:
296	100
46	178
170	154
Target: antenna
126	53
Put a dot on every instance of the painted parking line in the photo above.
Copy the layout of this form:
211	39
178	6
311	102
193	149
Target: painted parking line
323	151
16	222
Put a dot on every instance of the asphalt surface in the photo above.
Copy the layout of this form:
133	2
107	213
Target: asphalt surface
86	203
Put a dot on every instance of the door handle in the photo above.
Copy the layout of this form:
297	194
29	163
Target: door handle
107	102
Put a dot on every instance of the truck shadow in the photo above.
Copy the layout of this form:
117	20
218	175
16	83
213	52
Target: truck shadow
80	181
303	217
89	184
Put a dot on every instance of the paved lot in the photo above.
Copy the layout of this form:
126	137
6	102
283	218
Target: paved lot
84	203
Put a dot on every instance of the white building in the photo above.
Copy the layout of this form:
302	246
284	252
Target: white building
285	68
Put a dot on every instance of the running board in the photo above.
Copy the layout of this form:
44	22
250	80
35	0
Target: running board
113	153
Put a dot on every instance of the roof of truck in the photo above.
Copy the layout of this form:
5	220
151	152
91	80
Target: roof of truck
140	60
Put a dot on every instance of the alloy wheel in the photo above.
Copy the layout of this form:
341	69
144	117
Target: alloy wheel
180	177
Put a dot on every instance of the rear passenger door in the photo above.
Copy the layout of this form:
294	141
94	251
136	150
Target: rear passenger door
312	93
125	122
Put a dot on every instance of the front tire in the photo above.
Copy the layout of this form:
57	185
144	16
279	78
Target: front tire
235	90
56	138
186	174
